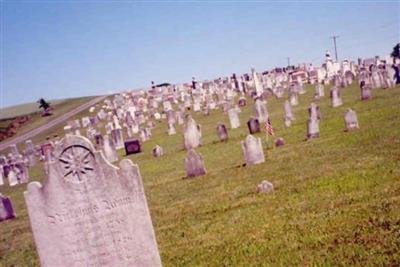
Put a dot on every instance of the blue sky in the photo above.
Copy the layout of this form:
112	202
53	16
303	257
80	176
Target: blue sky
59	49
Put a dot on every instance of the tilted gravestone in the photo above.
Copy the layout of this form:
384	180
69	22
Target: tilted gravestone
89	212
254	125
6	209
194	164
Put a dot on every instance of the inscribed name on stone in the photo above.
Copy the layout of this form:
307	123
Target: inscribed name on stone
89	212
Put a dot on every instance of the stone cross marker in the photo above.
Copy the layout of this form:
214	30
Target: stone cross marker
89	212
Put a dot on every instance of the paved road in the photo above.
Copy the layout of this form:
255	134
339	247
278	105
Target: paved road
5	144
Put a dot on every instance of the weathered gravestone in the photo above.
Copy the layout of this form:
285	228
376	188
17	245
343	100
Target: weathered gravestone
47	150
6	209
233	115
260	110
289	117
254	125
313	121
350	120
30	153
366	91
14	151
293	98
319	91
157	151
191	134
222	132
252	150
117	136
336	99
99	140
109	149
194	164
1	175
132	147
265	187
89	212
68	129
21	171
279	142
242	102
171	129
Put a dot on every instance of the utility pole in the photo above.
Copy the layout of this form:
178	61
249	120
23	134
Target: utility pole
334	42
288	61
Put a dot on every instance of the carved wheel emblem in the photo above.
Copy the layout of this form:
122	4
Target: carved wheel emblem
77	161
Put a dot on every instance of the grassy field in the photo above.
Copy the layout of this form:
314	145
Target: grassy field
23	109
336	200
60	107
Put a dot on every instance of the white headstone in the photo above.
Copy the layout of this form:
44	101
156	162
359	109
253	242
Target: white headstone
192	134
252	150
89	212
350	120
233	115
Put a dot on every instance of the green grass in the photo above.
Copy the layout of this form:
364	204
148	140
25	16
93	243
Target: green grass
36	120
336	200
24	109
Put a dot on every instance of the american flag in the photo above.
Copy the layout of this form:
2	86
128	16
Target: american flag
268	128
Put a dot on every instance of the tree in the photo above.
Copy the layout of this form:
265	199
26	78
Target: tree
43	104
396	51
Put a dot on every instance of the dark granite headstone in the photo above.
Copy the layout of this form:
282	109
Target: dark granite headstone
254	125
132	146
6	209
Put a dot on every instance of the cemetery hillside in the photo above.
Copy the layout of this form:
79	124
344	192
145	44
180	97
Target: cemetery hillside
294	166
18	120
